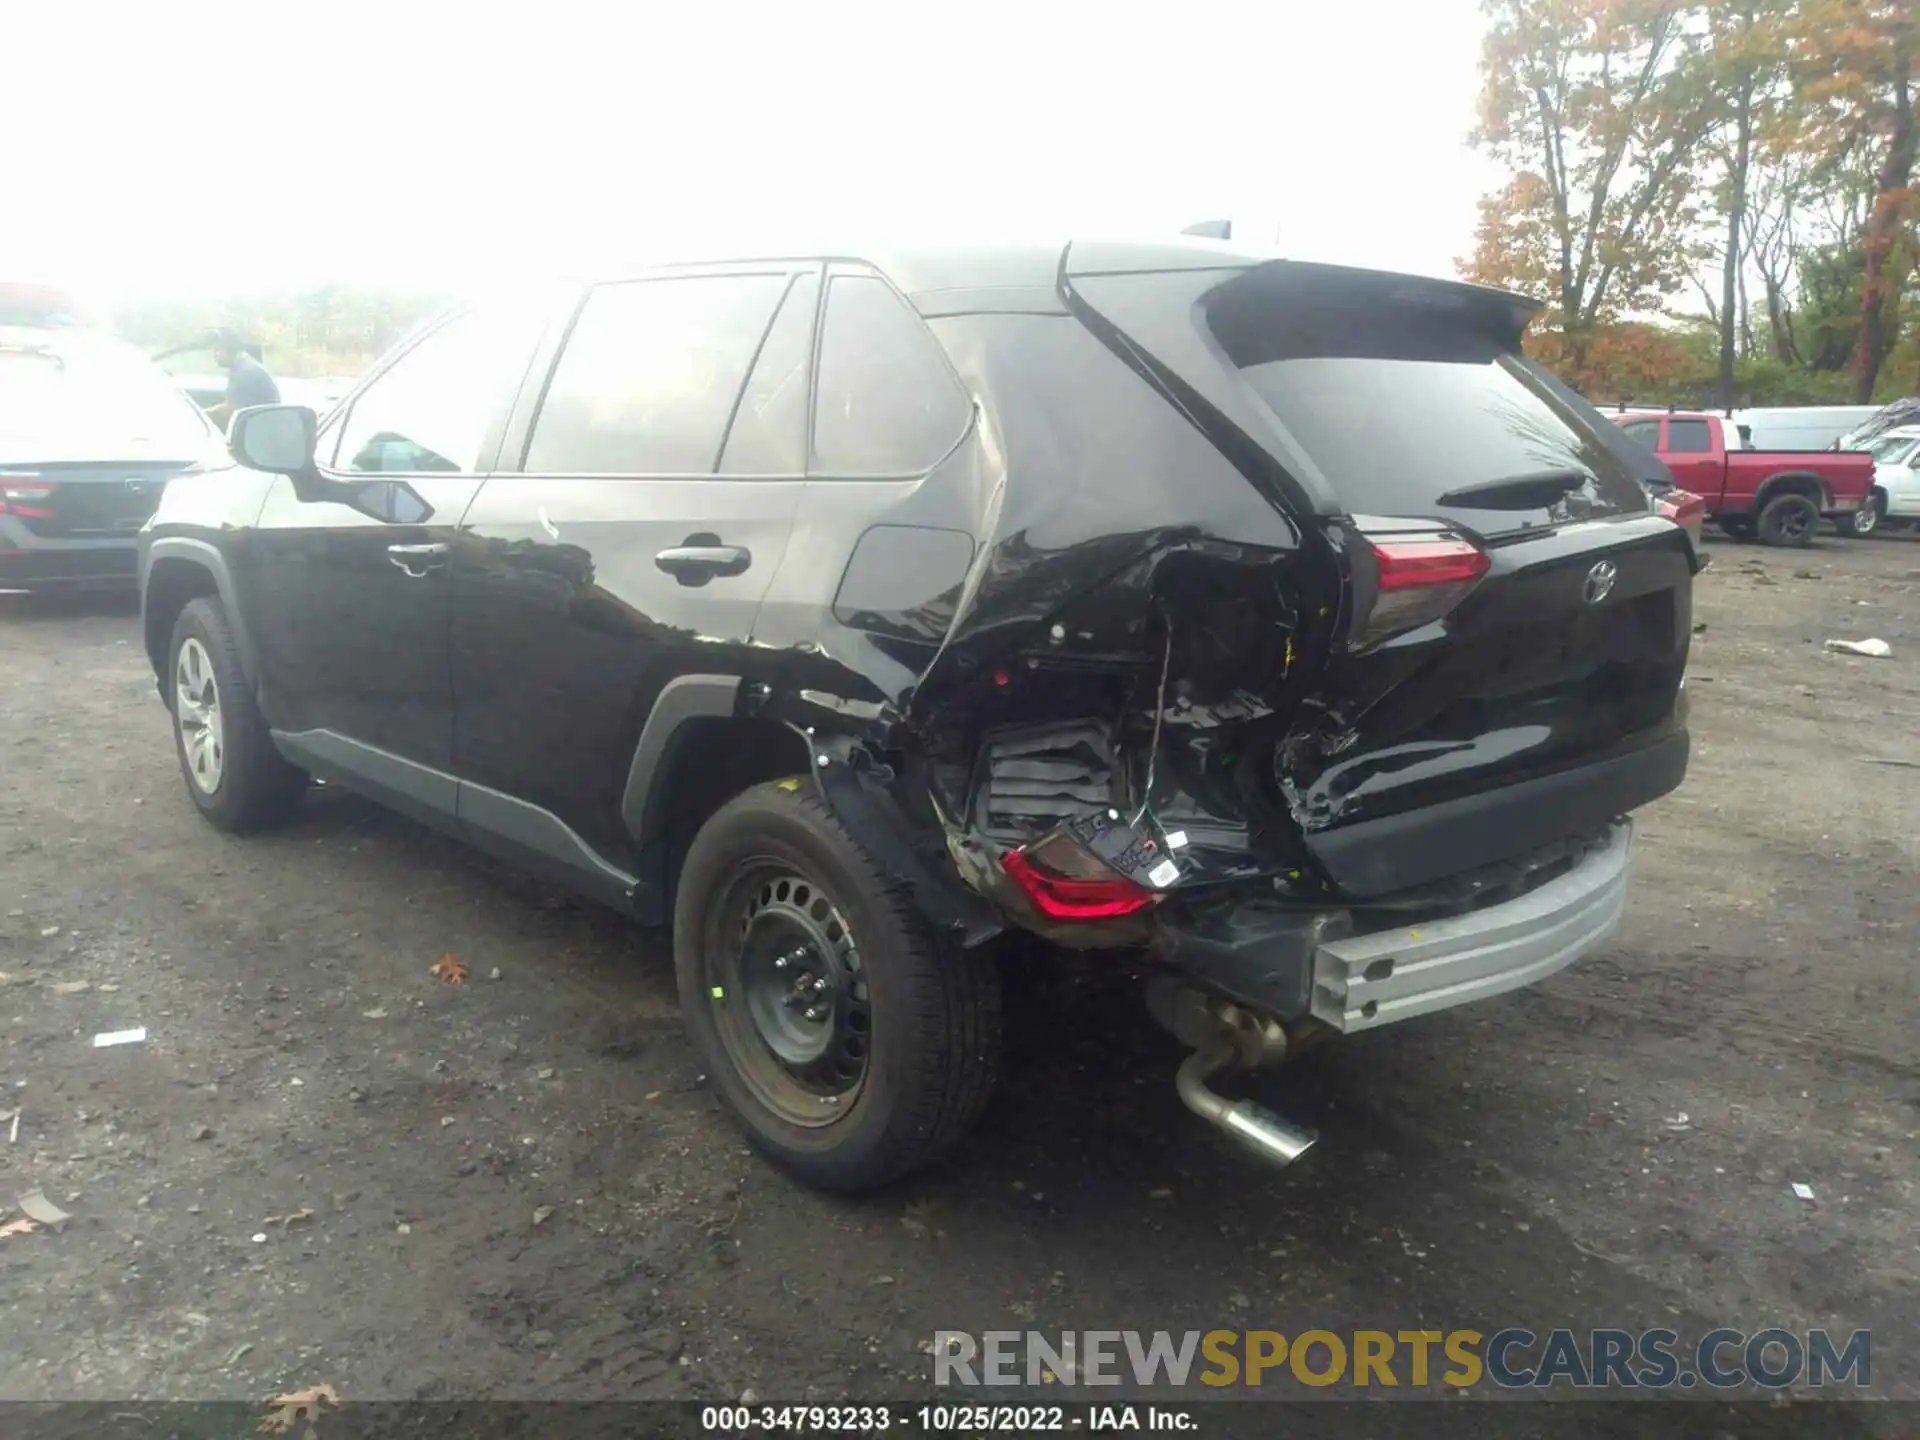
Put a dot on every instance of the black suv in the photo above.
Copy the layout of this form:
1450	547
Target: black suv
1276	623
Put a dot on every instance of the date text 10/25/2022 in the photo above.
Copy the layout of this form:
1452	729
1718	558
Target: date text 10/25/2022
1095	1419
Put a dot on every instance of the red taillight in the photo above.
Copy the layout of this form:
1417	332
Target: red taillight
1417	580
25	496
1411	564
1685	509
1060	898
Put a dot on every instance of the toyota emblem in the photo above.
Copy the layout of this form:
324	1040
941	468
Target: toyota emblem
1599	582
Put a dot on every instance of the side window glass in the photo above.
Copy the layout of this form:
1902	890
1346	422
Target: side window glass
769	433
431	411
1688	437
886	402
1647	432
650	375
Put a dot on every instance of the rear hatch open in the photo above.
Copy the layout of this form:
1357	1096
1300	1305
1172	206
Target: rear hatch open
1515	620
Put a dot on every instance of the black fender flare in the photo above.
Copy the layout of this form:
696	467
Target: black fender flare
854	787
208	557
1795	480
683	699
859	791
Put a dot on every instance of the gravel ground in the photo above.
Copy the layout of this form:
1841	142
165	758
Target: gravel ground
325	1165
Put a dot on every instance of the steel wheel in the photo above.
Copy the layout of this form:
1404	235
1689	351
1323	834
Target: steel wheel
196	710
1866	519
789	998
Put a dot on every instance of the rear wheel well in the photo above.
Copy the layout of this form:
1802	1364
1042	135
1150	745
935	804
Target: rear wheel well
171	585
1775	486
708	761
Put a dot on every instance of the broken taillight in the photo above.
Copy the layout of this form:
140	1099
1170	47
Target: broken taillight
1416	579
1068	880
25	496
1060	898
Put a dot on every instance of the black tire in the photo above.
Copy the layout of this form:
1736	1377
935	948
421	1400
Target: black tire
1789	520
1869	519
255	786
1736	527
933	1010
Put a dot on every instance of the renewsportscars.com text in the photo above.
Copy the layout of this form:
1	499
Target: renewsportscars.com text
1511	1358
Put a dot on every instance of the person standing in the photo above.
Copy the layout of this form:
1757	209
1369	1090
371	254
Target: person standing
248	382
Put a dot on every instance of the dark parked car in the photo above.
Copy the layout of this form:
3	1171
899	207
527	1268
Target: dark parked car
90	433
1279	625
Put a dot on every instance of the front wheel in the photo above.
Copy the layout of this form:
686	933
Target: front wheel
233	773
1866	520
851	1044
1789	520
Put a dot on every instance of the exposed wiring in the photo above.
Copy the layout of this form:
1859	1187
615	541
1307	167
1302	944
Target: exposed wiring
1159	712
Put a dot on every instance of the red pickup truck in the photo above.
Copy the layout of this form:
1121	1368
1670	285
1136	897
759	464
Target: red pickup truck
1777	496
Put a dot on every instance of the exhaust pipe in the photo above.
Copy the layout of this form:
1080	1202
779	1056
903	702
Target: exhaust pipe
1255	1127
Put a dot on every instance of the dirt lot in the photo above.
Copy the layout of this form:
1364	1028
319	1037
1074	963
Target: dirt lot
325	1165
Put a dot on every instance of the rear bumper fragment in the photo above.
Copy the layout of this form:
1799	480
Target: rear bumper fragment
1371	980
1399	852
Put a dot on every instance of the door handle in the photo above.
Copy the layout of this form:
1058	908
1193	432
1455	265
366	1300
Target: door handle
417	560
697	564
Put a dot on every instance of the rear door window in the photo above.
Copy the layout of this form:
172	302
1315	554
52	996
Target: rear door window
650	375
1689	437
887	402
1400	405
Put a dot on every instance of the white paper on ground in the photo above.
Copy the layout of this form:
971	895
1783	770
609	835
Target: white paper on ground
119	1037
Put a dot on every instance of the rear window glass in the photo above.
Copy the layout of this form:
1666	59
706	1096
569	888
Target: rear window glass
650	376
88	400
1399	406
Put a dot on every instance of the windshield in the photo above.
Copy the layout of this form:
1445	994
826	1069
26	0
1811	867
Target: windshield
1398	407
68	400
1892	449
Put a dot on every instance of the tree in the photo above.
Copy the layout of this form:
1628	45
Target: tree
1746	74
1598	108
1856	64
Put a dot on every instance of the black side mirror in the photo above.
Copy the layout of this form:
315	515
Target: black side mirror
274	438
280	440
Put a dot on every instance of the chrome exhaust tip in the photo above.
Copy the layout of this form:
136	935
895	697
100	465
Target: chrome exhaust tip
1254	1127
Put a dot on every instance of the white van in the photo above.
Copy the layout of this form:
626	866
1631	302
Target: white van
1800	427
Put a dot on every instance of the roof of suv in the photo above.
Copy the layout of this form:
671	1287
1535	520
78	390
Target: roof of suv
927	269
923	267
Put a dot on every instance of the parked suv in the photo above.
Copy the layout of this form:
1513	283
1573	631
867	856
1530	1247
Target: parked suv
1278	624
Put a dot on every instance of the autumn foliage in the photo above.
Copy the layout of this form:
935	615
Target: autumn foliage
1752	158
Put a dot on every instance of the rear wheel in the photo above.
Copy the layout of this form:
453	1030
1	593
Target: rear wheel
851	1044
1866	520
1788	520
235	776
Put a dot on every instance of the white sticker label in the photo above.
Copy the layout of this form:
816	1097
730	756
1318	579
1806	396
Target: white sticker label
1176	840
1163	874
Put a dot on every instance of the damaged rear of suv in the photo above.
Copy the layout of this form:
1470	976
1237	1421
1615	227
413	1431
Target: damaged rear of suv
1311	643
1278	625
